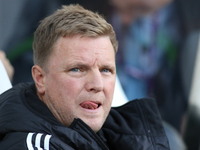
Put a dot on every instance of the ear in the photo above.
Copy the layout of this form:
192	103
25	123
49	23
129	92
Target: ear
38	75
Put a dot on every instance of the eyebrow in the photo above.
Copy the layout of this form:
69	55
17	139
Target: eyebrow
85	65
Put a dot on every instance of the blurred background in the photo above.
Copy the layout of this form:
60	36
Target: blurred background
158	55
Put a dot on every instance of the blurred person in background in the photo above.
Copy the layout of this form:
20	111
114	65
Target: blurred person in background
19	19
9	68
150	37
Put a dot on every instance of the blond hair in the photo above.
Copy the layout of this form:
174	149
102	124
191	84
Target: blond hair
69	21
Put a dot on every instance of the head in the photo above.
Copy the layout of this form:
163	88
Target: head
132	9
74	70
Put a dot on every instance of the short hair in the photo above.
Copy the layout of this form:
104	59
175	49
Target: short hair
69	21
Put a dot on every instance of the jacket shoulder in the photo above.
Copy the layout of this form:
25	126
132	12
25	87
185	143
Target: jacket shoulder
14	92
138	124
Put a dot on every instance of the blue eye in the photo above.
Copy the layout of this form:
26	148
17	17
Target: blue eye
75	69
106	70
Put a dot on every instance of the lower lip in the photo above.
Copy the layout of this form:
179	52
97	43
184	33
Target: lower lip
91	110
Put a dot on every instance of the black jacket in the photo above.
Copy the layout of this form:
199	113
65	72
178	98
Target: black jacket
26	123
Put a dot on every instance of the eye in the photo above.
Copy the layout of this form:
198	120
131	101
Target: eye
75	70
106	70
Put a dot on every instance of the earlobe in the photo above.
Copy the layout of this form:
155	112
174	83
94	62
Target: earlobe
39	78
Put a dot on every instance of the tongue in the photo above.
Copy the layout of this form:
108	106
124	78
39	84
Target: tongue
89	105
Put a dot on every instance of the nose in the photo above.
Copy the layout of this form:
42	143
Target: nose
94	82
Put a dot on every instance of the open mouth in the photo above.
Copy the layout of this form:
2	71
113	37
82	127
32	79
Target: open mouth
90	105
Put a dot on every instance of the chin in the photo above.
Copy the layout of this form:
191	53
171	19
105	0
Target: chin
94	125
96	128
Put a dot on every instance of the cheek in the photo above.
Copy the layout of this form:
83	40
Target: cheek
71	87
109	90
58	86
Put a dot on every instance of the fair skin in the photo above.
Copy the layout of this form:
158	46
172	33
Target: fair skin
79	80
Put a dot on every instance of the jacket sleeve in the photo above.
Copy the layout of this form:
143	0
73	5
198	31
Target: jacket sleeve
14	141
31	141
136	125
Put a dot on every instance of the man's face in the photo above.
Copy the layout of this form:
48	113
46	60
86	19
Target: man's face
79	80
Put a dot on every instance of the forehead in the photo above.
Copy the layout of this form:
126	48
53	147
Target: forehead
83	42
77	47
